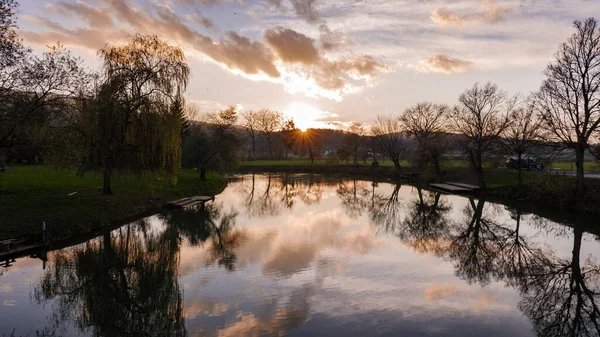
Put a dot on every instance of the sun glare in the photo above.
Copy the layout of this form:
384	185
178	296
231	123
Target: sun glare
306	116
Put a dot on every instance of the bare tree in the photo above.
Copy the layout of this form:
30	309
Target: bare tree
212	144
480	118
353	140
569	99
250	124
388	138
268	123
426	122
522	135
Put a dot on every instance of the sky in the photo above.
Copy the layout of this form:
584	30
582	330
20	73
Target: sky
324	63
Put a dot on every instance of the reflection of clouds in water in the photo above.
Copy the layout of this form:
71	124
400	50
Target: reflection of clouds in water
470	298
294	314
435	292
204	307
298	247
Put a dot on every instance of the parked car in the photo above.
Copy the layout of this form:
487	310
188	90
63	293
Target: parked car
527	163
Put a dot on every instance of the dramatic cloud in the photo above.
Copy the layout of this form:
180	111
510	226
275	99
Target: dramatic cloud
331	41
443	16
238	52
285	56
291	46
445	64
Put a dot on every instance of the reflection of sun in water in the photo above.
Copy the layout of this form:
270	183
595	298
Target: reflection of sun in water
306	116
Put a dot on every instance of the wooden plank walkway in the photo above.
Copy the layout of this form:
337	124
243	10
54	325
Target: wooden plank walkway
450	188
463	185
192	201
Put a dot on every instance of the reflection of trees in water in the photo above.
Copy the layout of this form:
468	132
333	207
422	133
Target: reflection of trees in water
560	296
386	210
210	225
426	221
124	283
269	195
354	196
475	245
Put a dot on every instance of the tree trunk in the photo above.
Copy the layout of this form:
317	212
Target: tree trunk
396	164
478	162
520	174
106	185
436	165
270	150
253	148
481	178
579	158
202	173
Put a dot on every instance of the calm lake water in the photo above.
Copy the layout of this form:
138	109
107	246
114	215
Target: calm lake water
307	256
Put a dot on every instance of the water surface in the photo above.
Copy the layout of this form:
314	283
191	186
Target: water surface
301	255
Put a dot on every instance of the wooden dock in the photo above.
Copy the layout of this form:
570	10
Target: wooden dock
191	201
451	188
463	185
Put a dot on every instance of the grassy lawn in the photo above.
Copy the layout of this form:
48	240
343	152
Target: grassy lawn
30	195
588	166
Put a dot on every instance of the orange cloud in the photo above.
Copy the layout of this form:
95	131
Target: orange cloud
445	64
443	16
291	46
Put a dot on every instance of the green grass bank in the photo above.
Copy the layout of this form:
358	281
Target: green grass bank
30	195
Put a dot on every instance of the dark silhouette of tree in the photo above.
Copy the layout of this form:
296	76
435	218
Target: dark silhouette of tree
353	141
480	118
130	117
268	122
388	138
289	135
11	48
35	89
213	143
427	122
562	296
250	124
123	283
311	142
569	99
522	135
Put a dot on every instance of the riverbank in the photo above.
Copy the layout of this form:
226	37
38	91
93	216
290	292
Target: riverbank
31	195
541	189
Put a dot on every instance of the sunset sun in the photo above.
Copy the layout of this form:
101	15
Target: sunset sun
306	116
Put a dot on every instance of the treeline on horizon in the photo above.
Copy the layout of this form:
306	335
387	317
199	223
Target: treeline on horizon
131	115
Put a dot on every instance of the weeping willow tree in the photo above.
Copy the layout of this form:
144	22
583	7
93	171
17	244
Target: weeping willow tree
135	116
